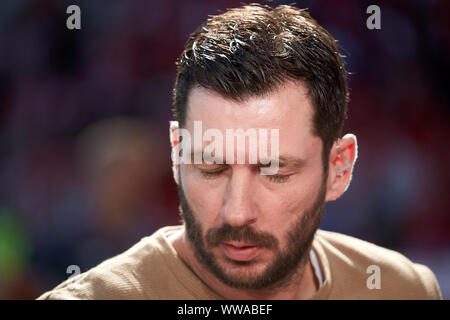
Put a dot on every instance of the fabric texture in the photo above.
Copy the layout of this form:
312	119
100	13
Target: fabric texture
151	269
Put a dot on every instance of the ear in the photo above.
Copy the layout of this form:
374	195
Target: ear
175	146
343	157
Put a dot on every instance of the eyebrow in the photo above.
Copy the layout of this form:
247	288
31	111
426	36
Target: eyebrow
291	162
284	161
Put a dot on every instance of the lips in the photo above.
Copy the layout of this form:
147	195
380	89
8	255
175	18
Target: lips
240	251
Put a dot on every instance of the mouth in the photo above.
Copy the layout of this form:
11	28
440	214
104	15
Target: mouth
239	251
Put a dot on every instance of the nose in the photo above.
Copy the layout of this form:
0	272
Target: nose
238	209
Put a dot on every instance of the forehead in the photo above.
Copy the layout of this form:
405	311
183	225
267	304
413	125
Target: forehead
287	108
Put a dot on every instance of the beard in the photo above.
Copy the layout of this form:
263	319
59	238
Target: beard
284	265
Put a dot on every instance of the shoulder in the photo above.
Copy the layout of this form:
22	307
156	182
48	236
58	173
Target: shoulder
358	259
128	275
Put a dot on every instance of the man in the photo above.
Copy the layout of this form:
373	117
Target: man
251	229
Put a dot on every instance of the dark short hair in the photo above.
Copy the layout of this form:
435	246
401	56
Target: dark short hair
251	50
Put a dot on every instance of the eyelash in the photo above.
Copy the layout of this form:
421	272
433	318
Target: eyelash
273	178
278	178
213	174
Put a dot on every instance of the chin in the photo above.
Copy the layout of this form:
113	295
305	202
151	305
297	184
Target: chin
242	274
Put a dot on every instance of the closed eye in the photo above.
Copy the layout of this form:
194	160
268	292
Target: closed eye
278	178
212	173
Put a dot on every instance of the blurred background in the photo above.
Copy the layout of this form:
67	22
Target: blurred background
84	149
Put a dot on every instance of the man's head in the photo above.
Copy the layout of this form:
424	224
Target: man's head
257	67
251	50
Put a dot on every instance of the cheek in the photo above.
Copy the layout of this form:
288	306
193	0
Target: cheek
302	196
282	208
204	200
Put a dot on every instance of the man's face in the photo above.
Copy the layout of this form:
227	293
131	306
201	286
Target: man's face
250	230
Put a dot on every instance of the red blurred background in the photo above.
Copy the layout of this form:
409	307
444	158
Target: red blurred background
85	159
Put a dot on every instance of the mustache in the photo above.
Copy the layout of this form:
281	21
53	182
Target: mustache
227	232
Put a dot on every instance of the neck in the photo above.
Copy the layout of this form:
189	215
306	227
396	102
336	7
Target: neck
300	285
